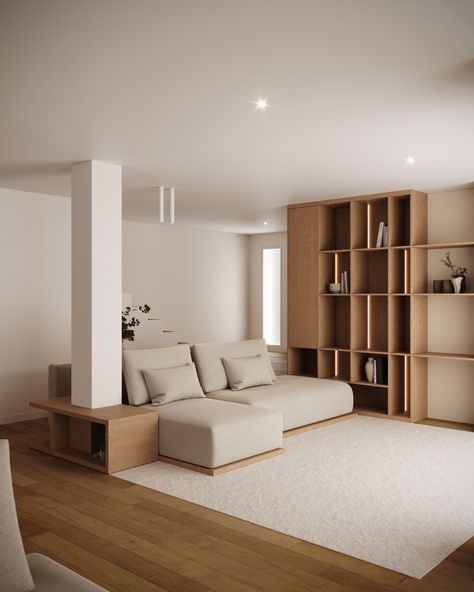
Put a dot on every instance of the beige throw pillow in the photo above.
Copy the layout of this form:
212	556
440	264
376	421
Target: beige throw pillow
244	373
173	384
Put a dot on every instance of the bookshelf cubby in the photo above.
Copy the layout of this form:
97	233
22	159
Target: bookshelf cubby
335	331
334	364
370	272
302	361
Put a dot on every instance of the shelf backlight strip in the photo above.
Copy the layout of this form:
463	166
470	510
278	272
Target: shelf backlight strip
336	268
405	384
405	270
369	344
336	363
368	225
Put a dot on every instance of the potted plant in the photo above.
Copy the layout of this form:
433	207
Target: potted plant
130	322
458	274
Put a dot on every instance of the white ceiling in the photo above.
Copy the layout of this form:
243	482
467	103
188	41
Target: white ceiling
165	88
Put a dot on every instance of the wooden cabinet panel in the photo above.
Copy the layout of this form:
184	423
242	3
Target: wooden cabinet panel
302	277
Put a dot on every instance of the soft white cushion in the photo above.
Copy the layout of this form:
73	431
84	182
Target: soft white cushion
212	433
173	384
299	399
208	359
243	373
137	360
15	574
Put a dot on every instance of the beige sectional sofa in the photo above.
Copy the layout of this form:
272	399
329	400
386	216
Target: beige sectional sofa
227	427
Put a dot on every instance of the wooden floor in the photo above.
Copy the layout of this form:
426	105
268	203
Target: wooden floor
129	538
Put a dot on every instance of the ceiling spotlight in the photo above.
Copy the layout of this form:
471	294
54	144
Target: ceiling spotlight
261	104
410	160
265	223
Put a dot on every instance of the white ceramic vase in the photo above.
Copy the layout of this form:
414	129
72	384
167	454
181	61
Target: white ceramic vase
457	284
369	369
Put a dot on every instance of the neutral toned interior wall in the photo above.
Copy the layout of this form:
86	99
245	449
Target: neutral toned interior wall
451	319
195	280
257	242
35	294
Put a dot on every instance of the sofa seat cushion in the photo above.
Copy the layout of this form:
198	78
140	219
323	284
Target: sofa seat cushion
299	399
212	433
50	576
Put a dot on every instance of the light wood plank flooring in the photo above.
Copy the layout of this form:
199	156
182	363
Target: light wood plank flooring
129	538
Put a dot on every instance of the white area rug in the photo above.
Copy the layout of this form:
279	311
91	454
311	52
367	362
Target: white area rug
394	494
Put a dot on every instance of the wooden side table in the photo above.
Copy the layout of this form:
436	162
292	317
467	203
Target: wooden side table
128	434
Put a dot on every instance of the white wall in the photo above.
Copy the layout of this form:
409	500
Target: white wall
451	319
195	280
258	242
35	296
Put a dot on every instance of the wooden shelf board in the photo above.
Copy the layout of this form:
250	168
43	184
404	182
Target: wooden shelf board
399	353
341	349
460	245
368	249
329	294
77	456
370	411
399	247
335	251
340	378
370	294
400	294
370	351
442	294
102	415
367	383
445	356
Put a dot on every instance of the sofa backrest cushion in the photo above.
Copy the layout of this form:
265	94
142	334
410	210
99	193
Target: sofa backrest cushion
59	380
15	574
137	360
208	359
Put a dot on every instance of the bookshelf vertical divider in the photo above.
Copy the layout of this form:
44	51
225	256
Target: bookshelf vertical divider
380	316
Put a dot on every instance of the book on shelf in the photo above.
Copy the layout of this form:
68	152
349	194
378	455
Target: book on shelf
380	234
380	370
385	236
345	282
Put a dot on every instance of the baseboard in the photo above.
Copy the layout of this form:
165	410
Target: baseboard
22	417
223	468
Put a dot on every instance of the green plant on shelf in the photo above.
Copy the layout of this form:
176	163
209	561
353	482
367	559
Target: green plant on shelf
456	270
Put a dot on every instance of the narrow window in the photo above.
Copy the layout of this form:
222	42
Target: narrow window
271	296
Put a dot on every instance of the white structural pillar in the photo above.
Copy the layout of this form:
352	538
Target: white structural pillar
96	284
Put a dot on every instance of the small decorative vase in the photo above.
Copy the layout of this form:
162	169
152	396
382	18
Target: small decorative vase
369	369
447	287
457	283
437	286
335	288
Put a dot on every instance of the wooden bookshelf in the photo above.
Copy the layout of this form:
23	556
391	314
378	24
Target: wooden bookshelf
386	312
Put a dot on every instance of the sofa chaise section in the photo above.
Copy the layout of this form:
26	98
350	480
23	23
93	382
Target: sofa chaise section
211	434
300	400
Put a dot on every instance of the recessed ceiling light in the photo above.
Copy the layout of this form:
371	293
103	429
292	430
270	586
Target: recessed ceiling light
261	104
410	160
265	223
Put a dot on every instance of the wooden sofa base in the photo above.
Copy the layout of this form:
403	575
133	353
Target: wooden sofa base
318	424
223	468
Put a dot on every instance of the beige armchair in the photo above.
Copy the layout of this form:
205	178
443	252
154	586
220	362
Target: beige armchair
33	572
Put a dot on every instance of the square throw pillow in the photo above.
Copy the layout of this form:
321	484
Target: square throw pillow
166	385
244	373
